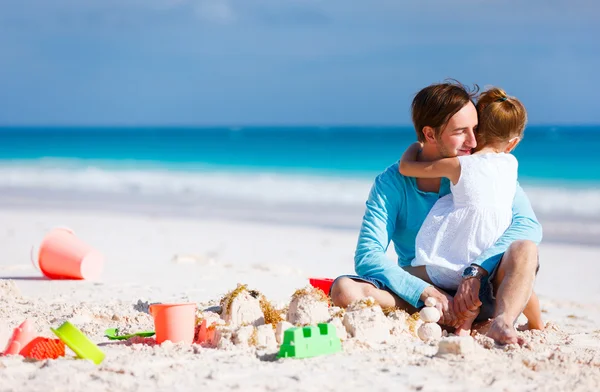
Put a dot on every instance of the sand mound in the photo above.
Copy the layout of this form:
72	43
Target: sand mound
384	337
9	290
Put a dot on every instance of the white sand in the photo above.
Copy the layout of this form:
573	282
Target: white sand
216	255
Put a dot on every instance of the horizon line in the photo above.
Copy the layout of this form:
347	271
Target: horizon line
265	125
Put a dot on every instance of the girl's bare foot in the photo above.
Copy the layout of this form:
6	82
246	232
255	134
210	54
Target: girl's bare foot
533	313
535	324
464	328
531	325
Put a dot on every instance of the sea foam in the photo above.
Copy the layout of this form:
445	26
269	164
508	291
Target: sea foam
559	200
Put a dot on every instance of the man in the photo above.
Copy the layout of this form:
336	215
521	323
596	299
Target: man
445	120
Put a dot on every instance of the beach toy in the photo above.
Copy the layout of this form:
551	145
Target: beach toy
321	283
21	336
305	342
78	342
205	334
113	334
174	322
44	348
62	255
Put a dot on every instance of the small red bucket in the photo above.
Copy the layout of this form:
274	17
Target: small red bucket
321	283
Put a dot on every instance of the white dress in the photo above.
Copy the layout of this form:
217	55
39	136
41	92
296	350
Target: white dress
463	224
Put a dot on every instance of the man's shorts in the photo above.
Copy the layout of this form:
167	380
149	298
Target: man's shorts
486	293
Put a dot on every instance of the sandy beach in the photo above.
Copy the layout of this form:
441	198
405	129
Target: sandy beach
218	154
159	258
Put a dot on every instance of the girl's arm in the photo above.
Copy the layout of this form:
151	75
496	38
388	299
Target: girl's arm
445	167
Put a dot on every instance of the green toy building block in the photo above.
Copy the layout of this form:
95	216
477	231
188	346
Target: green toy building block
310	341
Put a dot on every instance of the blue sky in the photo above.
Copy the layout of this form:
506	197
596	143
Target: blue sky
234	62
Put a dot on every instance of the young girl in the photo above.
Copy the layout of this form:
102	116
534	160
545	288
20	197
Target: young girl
460	226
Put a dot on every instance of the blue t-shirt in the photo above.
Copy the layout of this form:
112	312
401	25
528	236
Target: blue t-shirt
395	211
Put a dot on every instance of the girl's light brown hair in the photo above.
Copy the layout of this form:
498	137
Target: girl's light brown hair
501	117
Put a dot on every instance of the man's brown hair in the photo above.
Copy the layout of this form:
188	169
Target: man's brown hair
435	105
500	117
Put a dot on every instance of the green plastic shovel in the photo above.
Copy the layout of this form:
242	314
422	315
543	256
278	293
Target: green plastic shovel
113	334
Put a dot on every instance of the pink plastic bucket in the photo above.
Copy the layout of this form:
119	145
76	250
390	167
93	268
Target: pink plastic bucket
62	255
21	336
174	322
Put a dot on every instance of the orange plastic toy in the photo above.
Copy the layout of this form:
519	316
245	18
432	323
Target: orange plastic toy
44	348
174	322
62	255
204	334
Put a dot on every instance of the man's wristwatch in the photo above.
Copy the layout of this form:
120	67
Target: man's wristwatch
473	272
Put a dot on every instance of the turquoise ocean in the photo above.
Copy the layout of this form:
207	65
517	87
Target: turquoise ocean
559	166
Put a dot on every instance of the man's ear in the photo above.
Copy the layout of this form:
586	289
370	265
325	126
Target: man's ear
512	143
429	134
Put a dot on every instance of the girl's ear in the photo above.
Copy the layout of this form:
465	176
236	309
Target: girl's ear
512	143
429	134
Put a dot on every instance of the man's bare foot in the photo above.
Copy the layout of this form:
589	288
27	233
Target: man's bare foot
502	331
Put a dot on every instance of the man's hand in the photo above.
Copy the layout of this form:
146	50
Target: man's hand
444	305
466	299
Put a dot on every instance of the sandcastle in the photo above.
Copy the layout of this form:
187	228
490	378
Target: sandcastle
244	335
261	337
339	327
309	306
242	307
248	319
222	337
282	326
400	321
265	337
365	320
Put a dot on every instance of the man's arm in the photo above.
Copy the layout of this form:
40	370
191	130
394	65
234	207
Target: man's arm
377	228
524	226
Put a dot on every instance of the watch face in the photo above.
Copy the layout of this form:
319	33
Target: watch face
470	271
